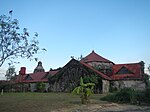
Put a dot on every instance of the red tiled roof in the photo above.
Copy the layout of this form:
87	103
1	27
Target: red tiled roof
98	72
94	57
7	82
4	81
36	77
135	68
53	72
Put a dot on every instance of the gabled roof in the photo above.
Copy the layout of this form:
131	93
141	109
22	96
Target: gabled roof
75	63
36	77
94	57
53	72
134	68
124	70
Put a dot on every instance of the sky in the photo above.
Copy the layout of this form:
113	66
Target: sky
118	30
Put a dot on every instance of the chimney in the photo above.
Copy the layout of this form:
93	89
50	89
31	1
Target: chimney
23	70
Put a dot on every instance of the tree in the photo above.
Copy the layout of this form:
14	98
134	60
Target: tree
10	73
14	44
84	90
40	86
77	58
149	68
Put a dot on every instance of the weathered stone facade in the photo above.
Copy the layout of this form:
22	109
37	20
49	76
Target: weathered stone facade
33	87
100	64
69	77
135	84
106	85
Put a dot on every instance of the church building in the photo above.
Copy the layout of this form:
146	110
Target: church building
104	73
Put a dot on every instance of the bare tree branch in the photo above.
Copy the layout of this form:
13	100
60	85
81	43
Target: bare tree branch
14	44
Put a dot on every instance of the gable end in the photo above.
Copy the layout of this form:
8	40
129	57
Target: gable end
124	70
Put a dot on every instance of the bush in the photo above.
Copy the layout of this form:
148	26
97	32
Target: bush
147	96
128	95
40	87
110	97
125	95
111	89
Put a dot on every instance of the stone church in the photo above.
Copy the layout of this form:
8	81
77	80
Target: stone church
104	73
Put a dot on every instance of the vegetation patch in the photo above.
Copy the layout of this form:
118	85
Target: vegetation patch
128	95
84	90
42	102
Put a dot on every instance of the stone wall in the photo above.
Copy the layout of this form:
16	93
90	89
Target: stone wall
105	87
136	84
105	68
46	86
100	64
33	87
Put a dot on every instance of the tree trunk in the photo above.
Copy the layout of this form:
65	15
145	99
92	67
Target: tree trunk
85	99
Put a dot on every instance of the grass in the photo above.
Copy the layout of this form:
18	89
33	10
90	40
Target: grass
40	102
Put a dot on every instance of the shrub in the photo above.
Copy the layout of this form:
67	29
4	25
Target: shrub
110	97
111	89
125	95
129	95
40	86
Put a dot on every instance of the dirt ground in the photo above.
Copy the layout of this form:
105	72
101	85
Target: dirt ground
112	107
106	107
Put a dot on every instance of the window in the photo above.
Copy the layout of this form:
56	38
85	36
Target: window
124	70
28	77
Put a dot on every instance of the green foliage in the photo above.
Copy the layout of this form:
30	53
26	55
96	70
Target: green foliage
147	84
146	80
111	89
125	95
40	86
128	95
107	70
93	78
84	90
149	68
10	73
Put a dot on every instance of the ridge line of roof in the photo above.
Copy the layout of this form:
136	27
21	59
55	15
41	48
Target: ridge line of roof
127	64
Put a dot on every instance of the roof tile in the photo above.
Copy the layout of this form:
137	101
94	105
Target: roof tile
94	57
135	68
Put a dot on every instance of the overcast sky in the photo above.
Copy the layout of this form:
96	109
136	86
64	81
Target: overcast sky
118	30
